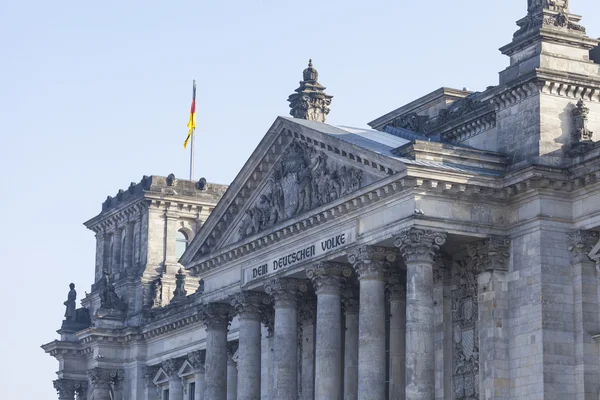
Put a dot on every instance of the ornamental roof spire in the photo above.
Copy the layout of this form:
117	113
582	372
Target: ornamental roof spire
310	100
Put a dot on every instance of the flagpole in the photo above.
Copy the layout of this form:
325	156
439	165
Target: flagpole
192	155
193	134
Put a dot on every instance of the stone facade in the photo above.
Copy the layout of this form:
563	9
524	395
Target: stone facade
452	252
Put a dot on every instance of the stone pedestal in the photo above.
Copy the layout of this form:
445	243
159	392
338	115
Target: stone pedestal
396	295
419	248
308	316
328	279
216	317
248	306
285	292
351	307
370	263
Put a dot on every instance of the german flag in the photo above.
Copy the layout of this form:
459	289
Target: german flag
192	122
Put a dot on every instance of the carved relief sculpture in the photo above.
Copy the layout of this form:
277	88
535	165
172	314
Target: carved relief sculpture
465	330
580	120
302	180
109	300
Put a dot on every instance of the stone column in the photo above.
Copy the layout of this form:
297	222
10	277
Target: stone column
586	313
285	292
171	368
419	248
100	254
216	317
232	372
197	359
268	344
328	279
249	306
103	380
396	294
370	263
350	302
149	387
308	317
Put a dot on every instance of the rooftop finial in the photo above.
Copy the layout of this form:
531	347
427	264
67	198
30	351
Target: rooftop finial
310	100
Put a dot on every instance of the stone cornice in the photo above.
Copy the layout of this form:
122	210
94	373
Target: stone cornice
61	349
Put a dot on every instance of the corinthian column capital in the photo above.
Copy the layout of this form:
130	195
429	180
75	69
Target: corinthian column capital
216	315
581	243
328	276
286	291
370	262
105	376
67	388
249	304
490	254
419	244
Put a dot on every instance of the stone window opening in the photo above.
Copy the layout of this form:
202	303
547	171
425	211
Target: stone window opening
182	242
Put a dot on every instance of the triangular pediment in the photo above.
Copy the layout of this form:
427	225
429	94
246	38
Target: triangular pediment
298	167
160	377
595	253
186	369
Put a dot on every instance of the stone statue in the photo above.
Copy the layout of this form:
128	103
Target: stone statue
70	303
157	293
109	300
580	120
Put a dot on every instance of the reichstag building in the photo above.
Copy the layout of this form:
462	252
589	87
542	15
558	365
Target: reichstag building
449	252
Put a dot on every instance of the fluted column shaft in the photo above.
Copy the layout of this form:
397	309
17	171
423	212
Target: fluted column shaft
419	248
216	317
396	294
285	293
370	263
308	316
351	307
328	279
248	306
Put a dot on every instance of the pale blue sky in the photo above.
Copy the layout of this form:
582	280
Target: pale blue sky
94	95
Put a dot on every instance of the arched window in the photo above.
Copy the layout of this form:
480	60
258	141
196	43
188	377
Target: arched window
182	243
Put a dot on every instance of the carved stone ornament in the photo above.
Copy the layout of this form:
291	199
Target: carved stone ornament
411	121
534	6
149	372
553	13
157	293
350	298
70	304
419	244
581	244
216	315
580	121
197	359
465	332
172	366
395	285
268	320
307	313
371	261
70	387
310	100
171	180
302	180
200	289
286	291
105	376
328	276
492	254
249	304
109	300
179	294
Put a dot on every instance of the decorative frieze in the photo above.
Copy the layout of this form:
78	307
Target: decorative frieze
216	315
419	244
328	276
581	243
